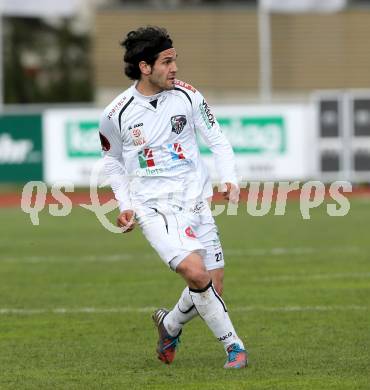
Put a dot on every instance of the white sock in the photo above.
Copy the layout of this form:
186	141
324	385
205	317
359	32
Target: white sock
212	309
183	312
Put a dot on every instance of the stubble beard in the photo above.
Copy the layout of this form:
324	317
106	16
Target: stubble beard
160	85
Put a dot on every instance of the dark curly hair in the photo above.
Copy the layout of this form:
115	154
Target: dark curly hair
143	44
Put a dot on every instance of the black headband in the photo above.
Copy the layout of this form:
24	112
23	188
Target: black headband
151	52
165	46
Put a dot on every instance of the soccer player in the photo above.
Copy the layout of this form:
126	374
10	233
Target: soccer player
149	140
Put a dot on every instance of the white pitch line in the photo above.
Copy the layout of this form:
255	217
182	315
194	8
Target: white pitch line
81	310
327	276
75	259
125	310
282	309
264	279
263	252
289	251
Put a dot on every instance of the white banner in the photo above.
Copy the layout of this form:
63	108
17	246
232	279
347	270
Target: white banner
38	8
272	142
71	145
298	6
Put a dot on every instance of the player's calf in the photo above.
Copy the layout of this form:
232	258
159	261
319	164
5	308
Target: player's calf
212	309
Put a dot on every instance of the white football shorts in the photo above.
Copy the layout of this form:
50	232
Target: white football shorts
175	233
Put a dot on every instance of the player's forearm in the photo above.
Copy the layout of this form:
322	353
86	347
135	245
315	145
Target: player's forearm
224	160
118	181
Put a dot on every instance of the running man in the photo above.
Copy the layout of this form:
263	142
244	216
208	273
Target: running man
149	139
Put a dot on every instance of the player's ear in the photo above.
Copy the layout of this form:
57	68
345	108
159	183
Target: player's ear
145	68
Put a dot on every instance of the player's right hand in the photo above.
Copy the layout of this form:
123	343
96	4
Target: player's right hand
126	221
231	192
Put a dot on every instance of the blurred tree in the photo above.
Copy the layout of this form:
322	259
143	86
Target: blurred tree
45	62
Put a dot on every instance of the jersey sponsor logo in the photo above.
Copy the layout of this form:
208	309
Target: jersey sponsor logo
176	151
185	85
105	145
149	171
148	167
198	208
116	108
178	123
189	232
146	158
136	134
136	125
207	115
163	171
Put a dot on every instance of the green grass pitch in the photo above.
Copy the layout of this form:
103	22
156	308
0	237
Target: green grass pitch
76	303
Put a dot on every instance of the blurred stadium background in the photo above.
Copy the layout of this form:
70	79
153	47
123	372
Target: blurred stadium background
291	88
290	84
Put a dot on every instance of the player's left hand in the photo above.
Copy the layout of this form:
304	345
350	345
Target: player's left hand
231	191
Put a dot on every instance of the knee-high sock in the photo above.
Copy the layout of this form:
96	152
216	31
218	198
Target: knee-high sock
212	309
182	312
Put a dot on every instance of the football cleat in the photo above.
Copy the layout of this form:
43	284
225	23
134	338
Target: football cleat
167	344
236	357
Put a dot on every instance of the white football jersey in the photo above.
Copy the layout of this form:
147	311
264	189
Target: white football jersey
150	147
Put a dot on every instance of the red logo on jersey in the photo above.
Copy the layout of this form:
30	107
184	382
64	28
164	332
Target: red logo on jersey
137	136
116	108
189	232
146	158
185	85
176	151
105	145
149	157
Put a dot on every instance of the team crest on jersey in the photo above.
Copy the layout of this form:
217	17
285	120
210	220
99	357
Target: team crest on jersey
178	123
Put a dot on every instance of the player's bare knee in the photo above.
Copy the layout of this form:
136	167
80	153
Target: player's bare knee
192	269
197	283
196	277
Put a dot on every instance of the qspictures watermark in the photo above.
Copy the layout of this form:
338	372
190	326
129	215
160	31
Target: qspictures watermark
262	199
263	195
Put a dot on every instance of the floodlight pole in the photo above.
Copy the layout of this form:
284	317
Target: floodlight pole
264	35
